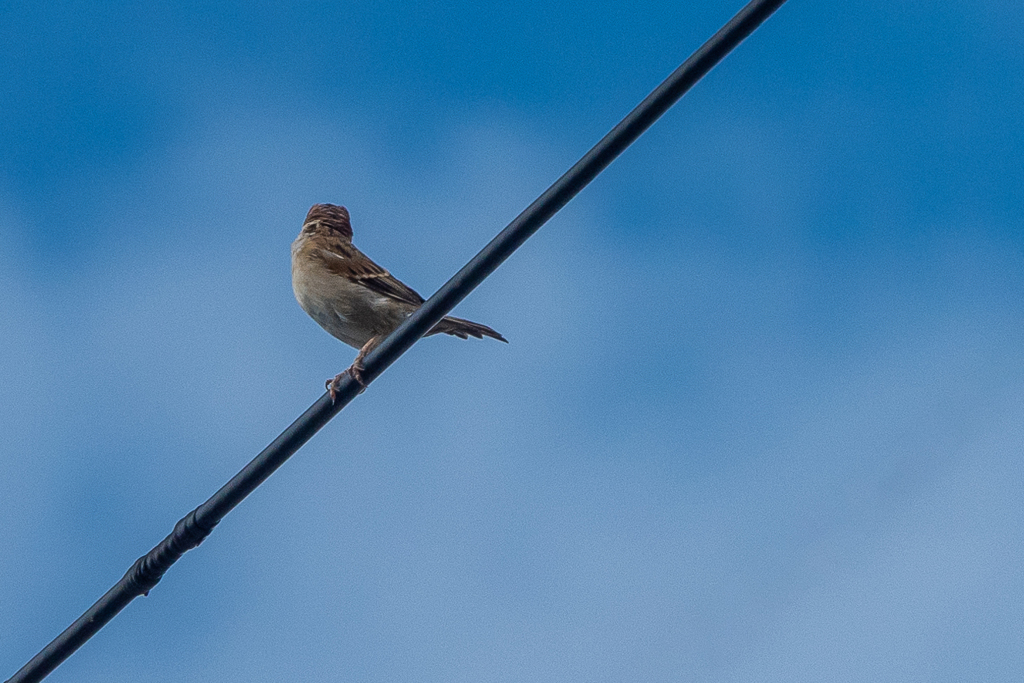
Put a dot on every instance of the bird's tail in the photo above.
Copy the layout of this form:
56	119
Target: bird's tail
464	329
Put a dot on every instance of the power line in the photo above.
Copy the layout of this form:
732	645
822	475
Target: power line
190	531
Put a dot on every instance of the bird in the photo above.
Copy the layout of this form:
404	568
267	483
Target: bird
350	296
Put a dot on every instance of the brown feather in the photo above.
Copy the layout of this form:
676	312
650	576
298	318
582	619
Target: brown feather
345	260
464	329
331	223
332	218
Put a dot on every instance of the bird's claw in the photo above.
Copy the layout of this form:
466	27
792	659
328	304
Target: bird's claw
355	372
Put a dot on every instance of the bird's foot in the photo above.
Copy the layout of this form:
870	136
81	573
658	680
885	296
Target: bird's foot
355	372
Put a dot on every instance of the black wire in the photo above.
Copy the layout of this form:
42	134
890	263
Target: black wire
190	531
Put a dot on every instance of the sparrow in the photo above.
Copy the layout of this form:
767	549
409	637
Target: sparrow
352	297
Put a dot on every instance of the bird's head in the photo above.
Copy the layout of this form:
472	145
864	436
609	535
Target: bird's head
329	219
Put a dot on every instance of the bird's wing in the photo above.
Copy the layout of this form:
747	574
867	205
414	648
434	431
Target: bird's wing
344	260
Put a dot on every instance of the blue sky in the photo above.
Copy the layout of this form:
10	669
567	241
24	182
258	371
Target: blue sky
761	413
